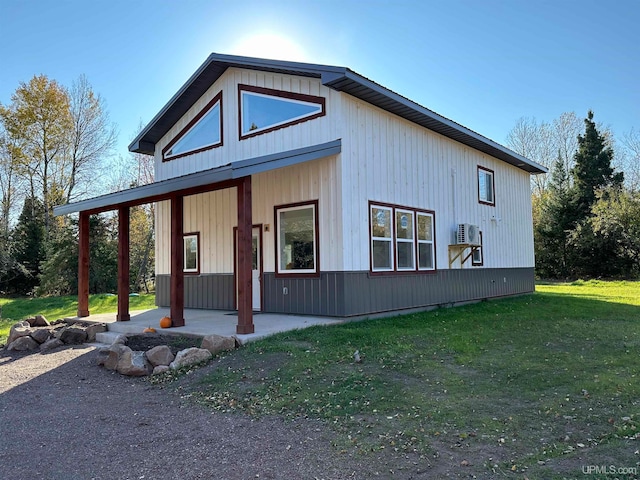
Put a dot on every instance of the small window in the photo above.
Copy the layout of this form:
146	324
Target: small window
486	187
476	255
381	239
405	245
191	242
426	249
263	109
202	133
297	239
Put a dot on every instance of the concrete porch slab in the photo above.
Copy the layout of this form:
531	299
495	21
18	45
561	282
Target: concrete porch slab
208	322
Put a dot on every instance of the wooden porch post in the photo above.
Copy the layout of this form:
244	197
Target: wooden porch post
83	265
245	253
123	265
177	262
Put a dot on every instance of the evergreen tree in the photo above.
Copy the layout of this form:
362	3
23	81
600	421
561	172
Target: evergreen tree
28	244
552	230
592	169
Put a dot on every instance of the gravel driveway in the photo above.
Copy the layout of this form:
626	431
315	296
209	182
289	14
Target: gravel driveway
63	417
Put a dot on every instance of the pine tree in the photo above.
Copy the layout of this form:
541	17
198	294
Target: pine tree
592	169
28	244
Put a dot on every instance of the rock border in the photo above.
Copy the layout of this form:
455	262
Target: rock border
37	333
159	359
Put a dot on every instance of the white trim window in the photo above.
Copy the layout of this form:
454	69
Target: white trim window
381	239
486	187
191	253
297	239
402	239
405	244
426	250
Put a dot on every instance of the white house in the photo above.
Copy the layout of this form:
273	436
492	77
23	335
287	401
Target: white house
310	189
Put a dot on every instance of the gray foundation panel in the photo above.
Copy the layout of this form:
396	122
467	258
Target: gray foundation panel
211	291
345	294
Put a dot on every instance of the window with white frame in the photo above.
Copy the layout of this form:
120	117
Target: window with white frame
381	239
426	250
476	255
202	133
297	239
405	245
191	245
402	239
264	109
486	186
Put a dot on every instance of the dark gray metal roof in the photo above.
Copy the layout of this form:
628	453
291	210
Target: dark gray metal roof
165	189
339	78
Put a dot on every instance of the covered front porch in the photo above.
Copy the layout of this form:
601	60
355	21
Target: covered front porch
200	322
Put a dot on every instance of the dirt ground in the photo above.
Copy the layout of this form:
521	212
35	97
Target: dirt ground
63	417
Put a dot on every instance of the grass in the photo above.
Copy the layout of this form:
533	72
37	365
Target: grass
536	386
16	309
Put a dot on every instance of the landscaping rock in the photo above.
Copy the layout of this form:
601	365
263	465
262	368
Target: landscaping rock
160	355
217	343
51	344
20	329
103	354
40	321
160	369
41	335
22	344
120	340
190	356
94	328
73	335
133	364
113	357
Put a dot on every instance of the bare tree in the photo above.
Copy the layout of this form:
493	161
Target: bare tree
91	138
630	158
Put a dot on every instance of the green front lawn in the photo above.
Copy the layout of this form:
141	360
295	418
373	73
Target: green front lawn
16	309
534	386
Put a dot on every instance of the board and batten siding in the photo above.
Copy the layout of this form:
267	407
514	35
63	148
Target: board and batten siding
388	159
313	132
214	214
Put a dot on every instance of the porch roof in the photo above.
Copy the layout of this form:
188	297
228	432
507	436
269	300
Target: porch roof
224	176
338	78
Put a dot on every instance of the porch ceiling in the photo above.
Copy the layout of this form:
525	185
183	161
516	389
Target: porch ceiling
338	78
215	178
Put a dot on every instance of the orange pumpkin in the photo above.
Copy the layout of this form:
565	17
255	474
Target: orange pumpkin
165	322
149	330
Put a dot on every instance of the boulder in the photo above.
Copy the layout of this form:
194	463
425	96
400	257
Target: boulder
115	351
160	355
133	364
190	356
217	343
103	354
22	344
41	335
40	321
120	340
73	334
51	344
160	369
94	328
20	329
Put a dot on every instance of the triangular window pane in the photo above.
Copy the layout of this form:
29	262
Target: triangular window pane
205	133
261	111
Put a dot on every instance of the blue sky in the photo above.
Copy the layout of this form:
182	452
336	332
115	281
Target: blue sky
482	63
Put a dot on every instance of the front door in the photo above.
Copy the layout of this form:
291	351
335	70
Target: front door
256	267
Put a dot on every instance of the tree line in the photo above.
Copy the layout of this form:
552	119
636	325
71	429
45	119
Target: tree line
586	210
56	146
